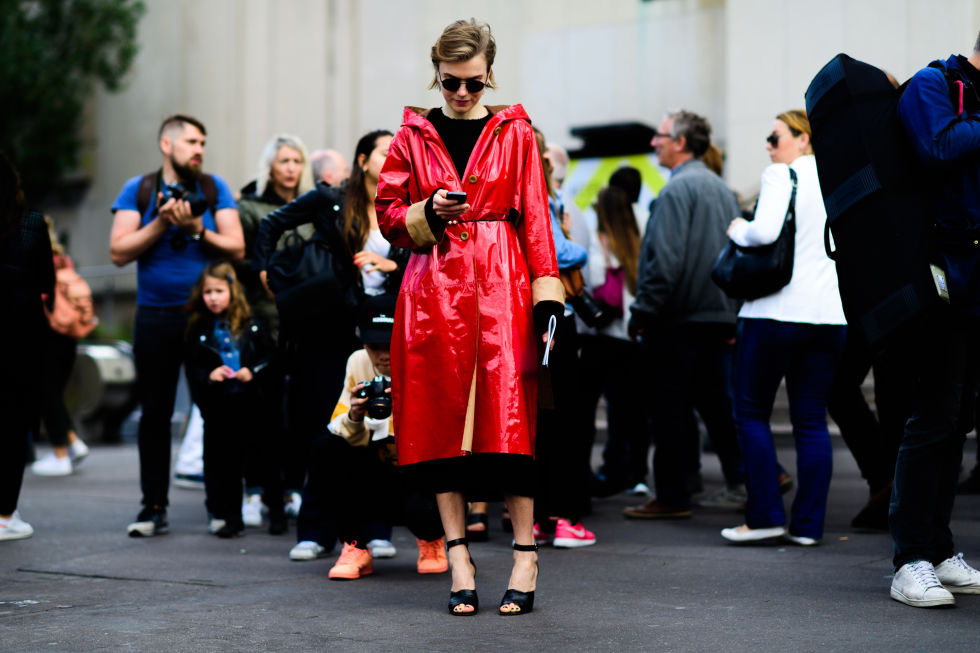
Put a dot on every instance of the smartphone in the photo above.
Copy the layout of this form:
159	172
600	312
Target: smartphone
453	196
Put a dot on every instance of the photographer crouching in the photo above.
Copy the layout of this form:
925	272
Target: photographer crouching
353	474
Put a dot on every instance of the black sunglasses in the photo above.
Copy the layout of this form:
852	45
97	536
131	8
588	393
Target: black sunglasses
773	140
452	84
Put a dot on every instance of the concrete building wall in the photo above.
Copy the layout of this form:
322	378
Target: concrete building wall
331	70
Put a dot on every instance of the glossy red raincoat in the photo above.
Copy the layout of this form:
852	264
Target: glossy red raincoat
464	351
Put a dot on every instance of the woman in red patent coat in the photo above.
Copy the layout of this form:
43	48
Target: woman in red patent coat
477	293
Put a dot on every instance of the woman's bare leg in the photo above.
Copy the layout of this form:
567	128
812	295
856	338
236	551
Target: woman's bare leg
524	575
452	511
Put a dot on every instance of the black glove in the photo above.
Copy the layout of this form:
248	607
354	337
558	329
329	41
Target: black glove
543	311
436	224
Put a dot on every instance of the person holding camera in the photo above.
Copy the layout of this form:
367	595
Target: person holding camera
463	189
173	222
353	473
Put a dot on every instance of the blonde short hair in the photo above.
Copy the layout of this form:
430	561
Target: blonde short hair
461	41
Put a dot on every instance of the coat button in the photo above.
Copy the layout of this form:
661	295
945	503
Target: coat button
464	235
497	130
473	179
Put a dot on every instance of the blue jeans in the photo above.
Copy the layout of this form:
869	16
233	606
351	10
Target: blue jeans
806	355
942	356
158	351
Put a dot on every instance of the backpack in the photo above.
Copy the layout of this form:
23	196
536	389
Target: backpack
151	183
877	204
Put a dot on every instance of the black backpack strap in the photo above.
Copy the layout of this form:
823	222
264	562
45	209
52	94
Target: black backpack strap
209	190
148	184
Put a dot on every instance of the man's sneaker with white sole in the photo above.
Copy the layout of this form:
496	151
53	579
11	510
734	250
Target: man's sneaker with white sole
916	584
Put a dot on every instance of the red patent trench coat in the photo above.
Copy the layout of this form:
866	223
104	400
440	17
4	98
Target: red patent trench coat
464	351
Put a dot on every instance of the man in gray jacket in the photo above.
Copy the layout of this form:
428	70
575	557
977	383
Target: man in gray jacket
685	323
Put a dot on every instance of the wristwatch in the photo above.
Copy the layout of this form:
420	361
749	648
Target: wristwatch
199	235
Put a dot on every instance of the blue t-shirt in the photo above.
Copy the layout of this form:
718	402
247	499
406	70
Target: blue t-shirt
165	274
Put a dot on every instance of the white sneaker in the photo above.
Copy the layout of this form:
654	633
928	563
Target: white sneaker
640	489
77	452
726	497
252	510
15	528
307	550
958	577
916	584
51	465
382	548
293	505
215	525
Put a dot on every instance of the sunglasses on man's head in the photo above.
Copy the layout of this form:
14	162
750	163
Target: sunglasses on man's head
452	84
773	139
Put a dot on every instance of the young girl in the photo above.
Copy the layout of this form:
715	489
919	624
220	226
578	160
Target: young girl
229	358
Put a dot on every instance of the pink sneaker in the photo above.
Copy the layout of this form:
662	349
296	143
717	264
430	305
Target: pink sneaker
540	537
569	536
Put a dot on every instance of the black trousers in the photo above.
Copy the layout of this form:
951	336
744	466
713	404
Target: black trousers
563	442
158	351
873	441
315	361
691	370
59	359
610	367
236	424
350	487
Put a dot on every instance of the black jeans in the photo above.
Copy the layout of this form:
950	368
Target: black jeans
158	350
873	441
236	426
691	369
350	487
942	355
59	358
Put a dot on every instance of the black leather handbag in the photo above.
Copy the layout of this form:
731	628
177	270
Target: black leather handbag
754	272
305	278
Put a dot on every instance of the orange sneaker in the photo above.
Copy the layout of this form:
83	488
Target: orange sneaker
432	556
352	563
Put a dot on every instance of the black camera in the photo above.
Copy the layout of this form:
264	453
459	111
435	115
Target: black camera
379	401
178	191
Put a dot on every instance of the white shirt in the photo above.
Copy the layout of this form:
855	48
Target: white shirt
812	296
374	281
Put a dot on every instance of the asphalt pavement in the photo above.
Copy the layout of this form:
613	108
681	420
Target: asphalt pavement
80	584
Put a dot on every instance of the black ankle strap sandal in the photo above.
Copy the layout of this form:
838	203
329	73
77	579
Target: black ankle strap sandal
463	597
523	600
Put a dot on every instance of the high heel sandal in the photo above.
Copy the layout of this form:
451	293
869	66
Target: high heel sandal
463	597
523	600
476	534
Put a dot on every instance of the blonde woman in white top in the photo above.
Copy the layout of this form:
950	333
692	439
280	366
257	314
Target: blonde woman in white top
796	333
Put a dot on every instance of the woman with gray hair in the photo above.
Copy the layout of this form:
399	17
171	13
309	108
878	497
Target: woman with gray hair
284	173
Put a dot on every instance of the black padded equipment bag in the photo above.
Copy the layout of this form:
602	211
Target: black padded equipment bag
874	190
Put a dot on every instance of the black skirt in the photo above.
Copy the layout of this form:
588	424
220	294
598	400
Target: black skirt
480	476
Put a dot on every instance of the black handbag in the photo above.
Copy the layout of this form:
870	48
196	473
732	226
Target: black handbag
306	281
754	272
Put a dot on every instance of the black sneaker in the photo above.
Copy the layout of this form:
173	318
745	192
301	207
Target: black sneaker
150	522
230	530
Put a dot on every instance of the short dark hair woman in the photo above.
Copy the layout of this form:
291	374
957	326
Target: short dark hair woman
465	349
